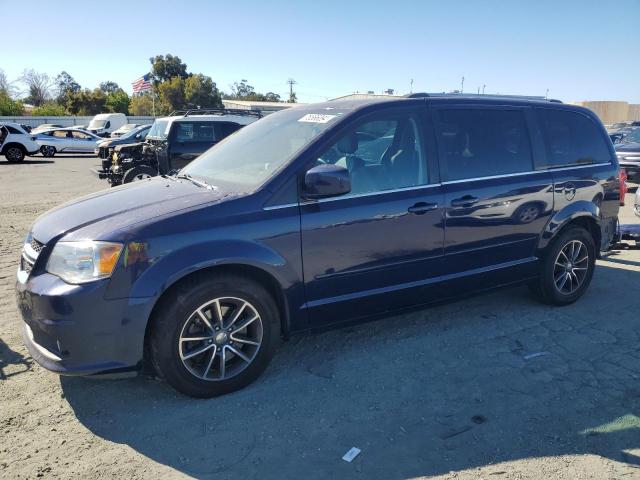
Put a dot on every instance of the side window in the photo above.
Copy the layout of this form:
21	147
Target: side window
60	134
384	154
195	132
107	125
80	136
477	143
14	130
571	138
224	129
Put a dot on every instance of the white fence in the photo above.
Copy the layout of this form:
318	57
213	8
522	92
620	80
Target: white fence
66	121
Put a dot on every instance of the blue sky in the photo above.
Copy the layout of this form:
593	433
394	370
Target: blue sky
579	50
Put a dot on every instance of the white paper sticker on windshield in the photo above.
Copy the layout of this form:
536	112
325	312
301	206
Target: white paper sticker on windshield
316	118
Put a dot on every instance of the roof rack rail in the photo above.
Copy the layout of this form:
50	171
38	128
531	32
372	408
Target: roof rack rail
481	95
216	111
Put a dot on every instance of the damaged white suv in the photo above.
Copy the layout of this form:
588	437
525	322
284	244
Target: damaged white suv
16	143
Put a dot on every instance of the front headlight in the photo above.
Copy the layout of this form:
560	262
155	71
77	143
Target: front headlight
81	262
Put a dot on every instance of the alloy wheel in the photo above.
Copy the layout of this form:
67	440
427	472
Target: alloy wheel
571	267
14	154
141	176
220	338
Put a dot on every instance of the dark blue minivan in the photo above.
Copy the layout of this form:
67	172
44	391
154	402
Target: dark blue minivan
313	216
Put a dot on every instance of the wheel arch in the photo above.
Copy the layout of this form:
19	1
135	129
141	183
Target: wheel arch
13	144
583	214
252	272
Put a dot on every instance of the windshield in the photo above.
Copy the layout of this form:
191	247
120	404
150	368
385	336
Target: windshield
94	124
251	156
158	129
132	133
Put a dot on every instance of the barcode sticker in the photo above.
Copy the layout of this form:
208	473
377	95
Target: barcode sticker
351	454
316	118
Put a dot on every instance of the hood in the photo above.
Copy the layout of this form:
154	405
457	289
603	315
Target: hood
98	215
628	147
106	143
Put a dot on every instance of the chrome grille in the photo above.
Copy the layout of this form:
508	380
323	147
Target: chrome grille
25	265
36	245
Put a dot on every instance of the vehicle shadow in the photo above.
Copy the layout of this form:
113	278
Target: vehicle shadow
11	362
486	380
27	162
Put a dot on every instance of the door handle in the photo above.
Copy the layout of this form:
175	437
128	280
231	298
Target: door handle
421	208
466	201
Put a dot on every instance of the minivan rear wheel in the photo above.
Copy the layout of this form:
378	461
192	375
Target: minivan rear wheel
567	268
214	335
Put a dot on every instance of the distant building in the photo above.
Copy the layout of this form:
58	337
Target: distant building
613	111
265	107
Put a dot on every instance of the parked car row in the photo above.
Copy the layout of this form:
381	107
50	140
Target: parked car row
170	144
628	152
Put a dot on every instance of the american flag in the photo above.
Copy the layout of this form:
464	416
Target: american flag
142	84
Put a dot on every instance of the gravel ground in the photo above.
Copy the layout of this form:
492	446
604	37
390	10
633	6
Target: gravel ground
491	387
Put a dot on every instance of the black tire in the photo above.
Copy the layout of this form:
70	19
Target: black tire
178	310
48	151
14	153
141	172
545	287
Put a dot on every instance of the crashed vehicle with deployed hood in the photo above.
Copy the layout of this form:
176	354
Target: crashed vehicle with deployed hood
172	142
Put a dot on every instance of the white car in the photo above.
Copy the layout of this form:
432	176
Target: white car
16	143
68	140
45	126
124	129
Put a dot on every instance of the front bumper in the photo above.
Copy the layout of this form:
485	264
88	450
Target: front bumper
75	330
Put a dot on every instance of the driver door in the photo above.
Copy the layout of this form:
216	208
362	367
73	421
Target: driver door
378	247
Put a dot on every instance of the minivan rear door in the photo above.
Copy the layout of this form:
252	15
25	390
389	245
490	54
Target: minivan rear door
496	202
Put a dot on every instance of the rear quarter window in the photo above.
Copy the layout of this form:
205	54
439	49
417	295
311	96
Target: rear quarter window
571	138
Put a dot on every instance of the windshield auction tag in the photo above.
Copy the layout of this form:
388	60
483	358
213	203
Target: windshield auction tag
316	118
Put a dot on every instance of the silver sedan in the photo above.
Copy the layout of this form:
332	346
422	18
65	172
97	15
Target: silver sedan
68	140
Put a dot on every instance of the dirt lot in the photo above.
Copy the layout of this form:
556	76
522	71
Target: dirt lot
492	387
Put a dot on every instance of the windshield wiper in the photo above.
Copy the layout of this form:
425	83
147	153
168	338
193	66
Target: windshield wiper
192	179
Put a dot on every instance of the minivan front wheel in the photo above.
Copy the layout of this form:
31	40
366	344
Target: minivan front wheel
567	268
215	335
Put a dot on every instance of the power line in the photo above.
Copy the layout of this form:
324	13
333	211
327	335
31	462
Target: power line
291	83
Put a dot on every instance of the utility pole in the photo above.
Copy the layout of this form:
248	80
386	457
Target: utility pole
546	95
462	85
411	86
291	83
483	87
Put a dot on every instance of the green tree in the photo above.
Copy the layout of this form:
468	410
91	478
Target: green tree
243	91
49	109
8	106
172	94
65	85
109	87
87	102
166	67
141	105
201	91
293	98
117	101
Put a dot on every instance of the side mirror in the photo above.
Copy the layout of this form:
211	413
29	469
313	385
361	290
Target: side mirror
327	181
